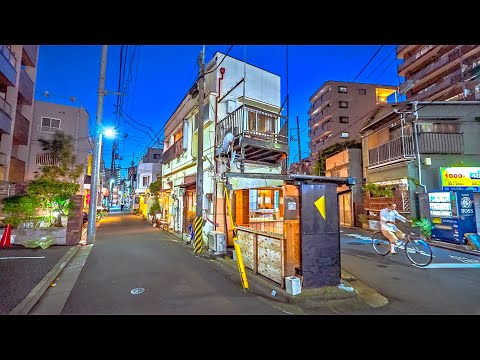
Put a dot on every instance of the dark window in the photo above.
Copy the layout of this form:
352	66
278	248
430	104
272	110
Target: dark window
156	156
362	91
342	89
343	104
344	119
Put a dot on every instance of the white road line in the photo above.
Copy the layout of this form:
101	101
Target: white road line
452	266
22	257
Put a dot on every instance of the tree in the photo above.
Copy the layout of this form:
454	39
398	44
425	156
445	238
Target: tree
19	209
61	149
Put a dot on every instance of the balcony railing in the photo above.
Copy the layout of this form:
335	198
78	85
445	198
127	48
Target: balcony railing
415	58
46	159
392	151
8	54
29	55
21	130
173	151
445	83
6	107
254	123
25	88
440	143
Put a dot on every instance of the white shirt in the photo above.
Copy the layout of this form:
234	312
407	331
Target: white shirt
387	215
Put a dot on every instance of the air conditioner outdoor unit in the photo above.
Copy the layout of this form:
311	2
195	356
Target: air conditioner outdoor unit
216	242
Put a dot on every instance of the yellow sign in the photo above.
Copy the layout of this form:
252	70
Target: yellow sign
320	204
460	178
89	164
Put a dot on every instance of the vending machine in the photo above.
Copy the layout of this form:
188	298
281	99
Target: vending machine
452	214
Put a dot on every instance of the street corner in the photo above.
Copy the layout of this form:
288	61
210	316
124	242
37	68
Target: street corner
363	292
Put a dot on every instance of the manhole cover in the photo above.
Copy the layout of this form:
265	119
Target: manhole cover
355	243
137	291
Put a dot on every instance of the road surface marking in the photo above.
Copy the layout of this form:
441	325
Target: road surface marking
22	257
464	260
452	266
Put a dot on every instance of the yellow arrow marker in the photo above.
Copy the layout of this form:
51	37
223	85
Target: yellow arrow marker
320	204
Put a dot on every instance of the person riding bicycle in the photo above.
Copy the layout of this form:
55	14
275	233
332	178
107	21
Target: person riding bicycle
387	225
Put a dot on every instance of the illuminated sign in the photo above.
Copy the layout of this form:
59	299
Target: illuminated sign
460	178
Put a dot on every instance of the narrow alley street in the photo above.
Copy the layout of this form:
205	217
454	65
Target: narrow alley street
130	254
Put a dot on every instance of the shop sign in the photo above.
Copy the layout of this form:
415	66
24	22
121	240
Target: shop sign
460	178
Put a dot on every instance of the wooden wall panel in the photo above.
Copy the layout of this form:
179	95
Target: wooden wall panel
269	258
245	241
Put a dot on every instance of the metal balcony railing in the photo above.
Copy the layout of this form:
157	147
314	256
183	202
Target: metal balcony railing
440	143
254	123
46	159
392	151
6	107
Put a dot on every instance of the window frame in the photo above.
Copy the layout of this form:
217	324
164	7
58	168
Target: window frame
343	117
362	91
340	102
341	88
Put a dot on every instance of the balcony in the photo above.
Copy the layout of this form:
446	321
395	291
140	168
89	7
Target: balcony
393	151
435	91
262	133
29	55
21	130
320	118
312	110
8	74
444	62
25	88
5	116
440	143
419	58
403	49
173	151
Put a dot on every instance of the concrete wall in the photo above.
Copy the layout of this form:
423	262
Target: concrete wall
59	234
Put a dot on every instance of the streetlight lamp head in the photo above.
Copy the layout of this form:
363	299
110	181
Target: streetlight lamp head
109	133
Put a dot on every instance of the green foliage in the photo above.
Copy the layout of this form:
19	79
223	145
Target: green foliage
53	196
319	168
61	148
377	190
425	226
363	218
414	181
19	209
155	186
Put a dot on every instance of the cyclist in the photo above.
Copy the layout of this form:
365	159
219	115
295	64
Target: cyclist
387	225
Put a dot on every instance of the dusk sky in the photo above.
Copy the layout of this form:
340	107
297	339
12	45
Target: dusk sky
162	74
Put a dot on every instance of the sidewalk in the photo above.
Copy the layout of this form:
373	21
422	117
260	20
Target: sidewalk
350	295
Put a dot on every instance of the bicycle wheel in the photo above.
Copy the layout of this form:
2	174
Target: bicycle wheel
418	252
380	243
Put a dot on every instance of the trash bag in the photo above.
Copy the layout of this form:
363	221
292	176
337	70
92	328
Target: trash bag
44	242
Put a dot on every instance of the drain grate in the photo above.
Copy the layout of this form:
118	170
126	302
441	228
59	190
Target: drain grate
137	291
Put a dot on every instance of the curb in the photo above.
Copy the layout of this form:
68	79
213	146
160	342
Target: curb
34	296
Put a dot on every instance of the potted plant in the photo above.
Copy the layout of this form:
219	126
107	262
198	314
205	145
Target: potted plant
363	218
425	226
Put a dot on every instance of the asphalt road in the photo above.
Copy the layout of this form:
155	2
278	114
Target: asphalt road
449	285
21	269
130	254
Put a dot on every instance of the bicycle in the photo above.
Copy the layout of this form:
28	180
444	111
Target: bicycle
417	250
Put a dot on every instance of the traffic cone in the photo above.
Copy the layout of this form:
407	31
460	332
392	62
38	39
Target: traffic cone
5	242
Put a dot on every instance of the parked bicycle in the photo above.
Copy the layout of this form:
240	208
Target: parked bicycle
417	250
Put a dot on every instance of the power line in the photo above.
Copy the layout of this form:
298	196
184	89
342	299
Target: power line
394	49
368	62
208	72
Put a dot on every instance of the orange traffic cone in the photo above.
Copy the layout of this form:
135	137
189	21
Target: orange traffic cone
5	242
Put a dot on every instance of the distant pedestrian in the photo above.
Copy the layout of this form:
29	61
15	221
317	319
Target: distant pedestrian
121	206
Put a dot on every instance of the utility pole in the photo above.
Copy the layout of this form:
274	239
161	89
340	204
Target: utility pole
92	211
300	164
199	219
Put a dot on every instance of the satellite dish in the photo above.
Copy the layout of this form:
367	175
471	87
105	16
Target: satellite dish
227	141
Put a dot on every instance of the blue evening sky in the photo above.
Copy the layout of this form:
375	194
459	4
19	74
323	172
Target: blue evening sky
166	72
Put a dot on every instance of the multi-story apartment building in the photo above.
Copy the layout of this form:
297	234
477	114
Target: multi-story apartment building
440	72
149	169
405	145
336	111
243	132
18	72
49	118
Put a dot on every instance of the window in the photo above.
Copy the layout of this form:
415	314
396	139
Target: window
362	91
343	104
344	119
145	181
178	136
156	156
49	124
344	135
336	173
440	128
342	89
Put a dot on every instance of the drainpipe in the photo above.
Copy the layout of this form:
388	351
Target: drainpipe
419	164
214	199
